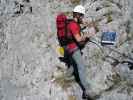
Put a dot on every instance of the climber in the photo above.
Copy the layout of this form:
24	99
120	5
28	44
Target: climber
75	45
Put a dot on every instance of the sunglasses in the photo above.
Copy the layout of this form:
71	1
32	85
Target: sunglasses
81	15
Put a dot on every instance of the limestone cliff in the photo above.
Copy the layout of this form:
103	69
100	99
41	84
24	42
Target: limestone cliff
29	64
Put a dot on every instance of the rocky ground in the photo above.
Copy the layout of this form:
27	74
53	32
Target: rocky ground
29	64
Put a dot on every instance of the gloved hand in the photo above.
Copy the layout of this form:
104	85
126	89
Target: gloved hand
83	43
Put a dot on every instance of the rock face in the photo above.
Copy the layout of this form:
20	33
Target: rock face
29	64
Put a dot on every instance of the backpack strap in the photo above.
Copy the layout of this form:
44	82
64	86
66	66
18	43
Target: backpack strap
66	23
69	40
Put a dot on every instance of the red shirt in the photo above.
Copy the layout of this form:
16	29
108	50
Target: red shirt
73	28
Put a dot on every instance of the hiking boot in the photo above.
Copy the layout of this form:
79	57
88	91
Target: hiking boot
86	96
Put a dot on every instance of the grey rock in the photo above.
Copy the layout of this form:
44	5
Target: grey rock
29	64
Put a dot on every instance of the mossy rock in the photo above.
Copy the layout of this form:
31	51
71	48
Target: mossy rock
68	14
64	83
71	98
130	36
75	2
109	19
116	78
97	56
62	79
